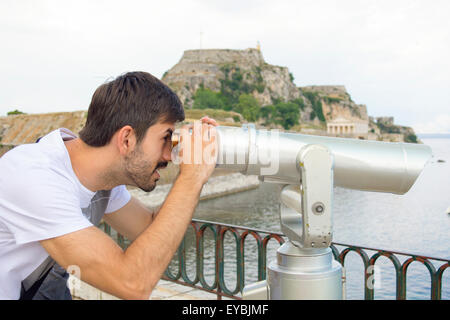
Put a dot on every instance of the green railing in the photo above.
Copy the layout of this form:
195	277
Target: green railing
193	248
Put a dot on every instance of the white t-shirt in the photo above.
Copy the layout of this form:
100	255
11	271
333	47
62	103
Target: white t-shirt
40	198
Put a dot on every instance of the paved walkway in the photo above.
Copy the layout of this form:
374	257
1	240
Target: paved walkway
164	290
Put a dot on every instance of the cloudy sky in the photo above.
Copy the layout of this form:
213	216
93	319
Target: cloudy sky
392	56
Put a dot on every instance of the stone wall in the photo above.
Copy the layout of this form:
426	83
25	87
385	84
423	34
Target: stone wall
333	91
248	58
24	128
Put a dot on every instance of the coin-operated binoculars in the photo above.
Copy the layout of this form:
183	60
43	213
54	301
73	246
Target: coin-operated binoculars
309	167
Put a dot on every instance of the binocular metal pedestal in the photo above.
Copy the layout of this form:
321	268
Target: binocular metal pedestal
304	274
300	274
305	267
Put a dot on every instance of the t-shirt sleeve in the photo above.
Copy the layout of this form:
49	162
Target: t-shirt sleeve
118	198
39	205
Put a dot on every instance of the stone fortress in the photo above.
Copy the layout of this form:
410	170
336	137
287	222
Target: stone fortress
205	67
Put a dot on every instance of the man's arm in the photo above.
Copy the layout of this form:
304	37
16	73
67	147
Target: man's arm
132	274
130	220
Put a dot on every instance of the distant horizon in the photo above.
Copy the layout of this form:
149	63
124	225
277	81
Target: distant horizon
433	135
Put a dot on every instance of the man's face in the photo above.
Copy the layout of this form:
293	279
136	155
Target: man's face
151	154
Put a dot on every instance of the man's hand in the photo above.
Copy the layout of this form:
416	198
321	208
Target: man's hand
209	120
198	151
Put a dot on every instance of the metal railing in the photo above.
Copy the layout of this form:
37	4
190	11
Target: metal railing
195	241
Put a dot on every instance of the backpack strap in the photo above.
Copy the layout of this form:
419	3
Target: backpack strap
31	284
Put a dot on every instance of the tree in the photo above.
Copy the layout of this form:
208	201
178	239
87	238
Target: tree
288	114
10	113
248	106
412	138
269	113
205	98
285	114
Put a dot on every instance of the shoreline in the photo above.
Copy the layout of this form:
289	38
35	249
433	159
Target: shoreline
217	186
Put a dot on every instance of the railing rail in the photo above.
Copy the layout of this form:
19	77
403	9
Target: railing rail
435	266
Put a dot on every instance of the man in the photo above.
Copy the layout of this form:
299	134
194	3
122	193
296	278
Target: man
53	194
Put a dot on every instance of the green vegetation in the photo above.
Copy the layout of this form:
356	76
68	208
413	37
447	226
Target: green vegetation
316	105
388	128
14	112
281	113
235	84
236	94
330	100
300	103
206	98
219	115
248	106
285	114
412	138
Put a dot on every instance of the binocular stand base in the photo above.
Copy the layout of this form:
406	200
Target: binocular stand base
300	274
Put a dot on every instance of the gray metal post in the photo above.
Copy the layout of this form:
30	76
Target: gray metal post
305	268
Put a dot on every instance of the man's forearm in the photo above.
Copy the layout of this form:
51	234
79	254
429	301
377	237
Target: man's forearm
148	256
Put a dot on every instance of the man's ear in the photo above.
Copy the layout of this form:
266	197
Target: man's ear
125	140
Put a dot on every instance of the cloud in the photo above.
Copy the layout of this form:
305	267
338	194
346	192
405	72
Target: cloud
440	124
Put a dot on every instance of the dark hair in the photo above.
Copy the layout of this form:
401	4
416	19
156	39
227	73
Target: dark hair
137	99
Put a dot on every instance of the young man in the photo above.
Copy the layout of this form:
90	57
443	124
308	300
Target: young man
53	194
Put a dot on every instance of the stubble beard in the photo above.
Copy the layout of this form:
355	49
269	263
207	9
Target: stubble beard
140	171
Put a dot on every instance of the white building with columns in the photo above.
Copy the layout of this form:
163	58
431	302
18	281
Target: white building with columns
348	128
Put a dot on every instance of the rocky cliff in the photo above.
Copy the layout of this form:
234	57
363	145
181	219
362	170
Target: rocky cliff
210	68
392	132
336	103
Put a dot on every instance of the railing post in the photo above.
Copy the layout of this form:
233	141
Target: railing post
439	274
219	260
